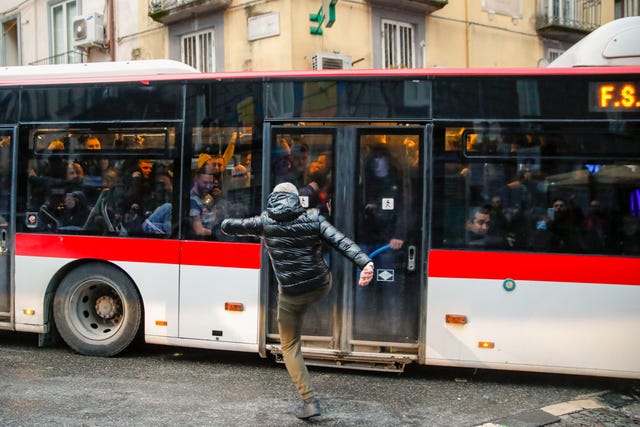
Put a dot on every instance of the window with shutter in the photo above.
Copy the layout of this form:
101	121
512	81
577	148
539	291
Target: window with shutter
198	50
398	44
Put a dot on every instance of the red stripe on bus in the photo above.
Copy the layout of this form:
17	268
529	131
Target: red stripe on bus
219	254
233	255
538	267
105	248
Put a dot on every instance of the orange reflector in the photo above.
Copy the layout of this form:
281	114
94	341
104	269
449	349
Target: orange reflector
29	311
161	323
234	306
456	319
486	344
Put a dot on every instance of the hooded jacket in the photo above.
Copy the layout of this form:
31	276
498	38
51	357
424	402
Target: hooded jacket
293	237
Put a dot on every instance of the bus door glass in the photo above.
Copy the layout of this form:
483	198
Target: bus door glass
366	181
388	220
304	157
6	139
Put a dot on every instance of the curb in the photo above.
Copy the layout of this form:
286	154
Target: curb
552	414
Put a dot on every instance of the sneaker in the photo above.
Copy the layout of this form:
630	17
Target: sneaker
310	408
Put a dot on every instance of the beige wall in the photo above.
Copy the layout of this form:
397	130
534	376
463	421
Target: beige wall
463	35
349	35
150	42
295	46
271	53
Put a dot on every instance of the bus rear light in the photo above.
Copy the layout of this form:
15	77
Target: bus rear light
29	311
234	306
486	344
456	319
161	323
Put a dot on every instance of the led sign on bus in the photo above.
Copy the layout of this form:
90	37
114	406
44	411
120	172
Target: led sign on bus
614	96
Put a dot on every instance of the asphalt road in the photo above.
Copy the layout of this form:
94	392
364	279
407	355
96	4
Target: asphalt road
168	386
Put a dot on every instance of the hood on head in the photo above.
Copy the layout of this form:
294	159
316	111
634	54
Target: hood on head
284	206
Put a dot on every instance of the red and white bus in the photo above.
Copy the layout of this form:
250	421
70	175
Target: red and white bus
549	288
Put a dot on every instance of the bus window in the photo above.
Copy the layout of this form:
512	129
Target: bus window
536	191
99	182
223	181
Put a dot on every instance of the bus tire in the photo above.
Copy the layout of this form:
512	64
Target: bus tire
97	310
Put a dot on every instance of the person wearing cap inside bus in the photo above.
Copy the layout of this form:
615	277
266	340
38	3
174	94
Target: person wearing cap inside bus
293	237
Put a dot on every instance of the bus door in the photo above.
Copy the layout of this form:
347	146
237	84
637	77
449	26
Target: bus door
368	182
388	226
6	140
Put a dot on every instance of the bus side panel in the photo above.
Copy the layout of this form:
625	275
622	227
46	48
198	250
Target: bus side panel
158	286
205	295
539	325
32	276
220	292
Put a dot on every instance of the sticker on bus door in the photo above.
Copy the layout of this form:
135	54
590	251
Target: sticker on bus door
385	275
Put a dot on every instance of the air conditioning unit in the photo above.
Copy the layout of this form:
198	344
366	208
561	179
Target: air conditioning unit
88	31
330	61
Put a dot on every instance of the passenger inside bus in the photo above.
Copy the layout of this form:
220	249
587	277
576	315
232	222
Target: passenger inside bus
629	242
159	222
381	223
207	207
75	211
74	179
478	226
565	225
210	153
215	165
299	165
141	186
94	165
281	161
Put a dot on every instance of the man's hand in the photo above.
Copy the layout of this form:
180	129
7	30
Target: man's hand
395	244
366	275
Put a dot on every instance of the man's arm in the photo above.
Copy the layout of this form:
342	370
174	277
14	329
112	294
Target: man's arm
342	243
242	226
197	228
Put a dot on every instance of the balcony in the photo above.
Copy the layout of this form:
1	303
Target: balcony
567	20
170	11
424	6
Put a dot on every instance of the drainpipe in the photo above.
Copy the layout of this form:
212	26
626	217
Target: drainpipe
112	30
466	32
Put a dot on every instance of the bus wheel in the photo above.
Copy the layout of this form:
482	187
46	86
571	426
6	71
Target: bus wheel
97	310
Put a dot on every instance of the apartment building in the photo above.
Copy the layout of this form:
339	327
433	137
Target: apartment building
245	35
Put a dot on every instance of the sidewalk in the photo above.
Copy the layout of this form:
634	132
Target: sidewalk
610	409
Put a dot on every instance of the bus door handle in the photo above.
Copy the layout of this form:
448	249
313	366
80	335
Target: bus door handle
3	242
411	258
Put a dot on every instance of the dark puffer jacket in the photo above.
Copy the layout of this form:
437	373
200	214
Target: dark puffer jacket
293	237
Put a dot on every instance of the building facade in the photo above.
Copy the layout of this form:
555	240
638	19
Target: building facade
245	35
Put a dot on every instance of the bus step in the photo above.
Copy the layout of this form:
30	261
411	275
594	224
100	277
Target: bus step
395	363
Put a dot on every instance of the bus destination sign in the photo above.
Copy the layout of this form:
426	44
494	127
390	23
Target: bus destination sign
614	96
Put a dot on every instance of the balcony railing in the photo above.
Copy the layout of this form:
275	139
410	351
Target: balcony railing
168	11
568	19
70	57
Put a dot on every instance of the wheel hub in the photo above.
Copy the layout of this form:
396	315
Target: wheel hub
106	307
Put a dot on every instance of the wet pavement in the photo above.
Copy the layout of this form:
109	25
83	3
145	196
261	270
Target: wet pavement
168	386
